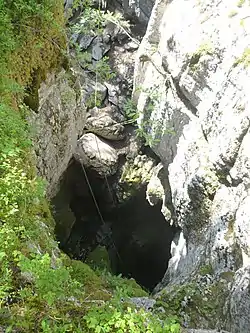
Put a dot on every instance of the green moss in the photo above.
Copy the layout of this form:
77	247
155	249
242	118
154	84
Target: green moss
99	258
124	287
135	173
244	59
228	276
240	3
230	230
197	306
206	269
93	286
205	48
233	13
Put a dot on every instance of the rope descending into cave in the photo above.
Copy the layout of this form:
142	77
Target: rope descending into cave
101	3
98	208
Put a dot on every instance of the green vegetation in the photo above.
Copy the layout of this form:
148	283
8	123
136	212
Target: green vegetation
206	269
240	3
244	59
194	302
150	130
42	290
115	319
204	49
233	13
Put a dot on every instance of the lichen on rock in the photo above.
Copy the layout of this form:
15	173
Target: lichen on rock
135	174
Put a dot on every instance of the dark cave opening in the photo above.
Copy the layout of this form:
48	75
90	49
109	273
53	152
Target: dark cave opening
135	234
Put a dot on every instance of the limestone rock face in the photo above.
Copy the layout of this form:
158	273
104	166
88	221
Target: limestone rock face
193	65
97	154
58	122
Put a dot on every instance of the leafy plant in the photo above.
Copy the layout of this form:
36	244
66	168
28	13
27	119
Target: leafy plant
52	281
130	110
109	318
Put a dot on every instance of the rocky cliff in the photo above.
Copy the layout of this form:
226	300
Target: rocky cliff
191	89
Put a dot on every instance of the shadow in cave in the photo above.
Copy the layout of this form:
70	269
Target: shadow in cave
142	238
135	234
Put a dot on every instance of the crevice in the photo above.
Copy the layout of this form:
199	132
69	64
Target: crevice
204	133
178	89
134	233
184	98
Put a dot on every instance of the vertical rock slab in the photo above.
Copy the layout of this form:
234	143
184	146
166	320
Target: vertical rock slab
191	88
57	124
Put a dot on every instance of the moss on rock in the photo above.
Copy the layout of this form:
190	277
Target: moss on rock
135	174
99	258
199	303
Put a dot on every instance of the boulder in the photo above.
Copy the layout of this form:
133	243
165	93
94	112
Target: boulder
103	122
97	154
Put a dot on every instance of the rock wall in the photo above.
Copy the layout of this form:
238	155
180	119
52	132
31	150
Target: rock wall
66	109
139	9
59	121
191	88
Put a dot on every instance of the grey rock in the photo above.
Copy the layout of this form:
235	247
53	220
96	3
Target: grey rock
113	93
71	13
85	41
145	303
68	4
155	190
131	46
97	154
58	122
115	33
199	112
100	3
99	48
103	123
135	174
203	331
92	91
138	9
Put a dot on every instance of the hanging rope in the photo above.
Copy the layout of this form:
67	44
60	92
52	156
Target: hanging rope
106	179
99	211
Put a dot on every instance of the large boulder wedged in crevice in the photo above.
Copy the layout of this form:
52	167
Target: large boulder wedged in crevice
98	154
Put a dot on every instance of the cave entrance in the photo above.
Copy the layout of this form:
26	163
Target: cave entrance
135	234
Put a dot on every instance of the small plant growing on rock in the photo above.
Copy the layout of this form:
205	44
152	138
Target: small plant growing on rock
130	111
116	318
244	59
203	50
233	13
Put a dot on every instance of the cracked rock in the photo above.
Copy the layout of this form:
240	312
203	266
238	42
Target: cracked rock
103	122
